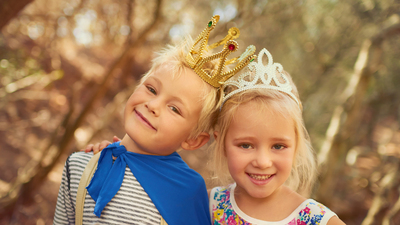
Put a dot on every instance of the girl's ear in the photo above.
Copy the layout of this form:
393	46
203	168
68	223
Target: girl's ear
195	143
216	133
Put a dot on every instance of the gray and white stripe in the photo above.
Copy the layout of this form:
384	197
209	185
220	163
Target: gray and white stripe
131	204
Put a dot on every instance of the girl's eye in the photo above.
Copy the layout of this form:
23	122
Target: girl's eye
278	147
175	110
151	90
245	146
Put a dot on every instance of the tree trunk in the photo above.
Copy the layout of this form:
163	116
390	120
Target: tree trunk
9	9
342	130
33	176
381	211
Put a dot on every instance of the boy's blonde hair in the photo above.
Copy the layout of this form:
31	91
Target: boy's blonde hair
303	172
174	59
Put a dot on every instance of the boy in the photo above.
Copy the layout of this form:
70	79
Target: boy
171	108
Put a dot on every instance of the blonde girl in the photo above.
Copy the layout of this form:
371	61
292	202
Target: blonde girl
262	144
262	154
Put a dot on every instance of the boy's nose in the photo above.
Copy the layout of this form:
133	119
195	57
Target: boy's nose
153	106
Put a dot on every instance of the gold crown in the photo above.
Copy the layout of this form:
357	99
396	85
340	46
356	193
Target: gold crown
196	61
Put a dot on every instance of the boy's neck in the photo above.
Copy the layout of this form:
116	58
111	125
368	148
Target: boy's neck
132	146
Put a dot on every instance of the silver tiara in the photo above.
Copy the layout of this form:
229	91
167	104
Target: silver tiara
259	76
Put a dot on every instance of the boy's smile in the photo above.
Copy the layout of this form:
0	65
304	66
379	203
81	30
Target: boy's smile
144	120
162	111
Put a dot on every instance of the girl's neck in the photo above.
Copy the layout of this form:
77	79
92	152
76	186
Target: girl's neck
275	207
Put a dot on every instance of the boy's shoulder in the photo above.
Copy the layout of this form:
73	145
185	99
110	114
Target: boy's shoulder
79	159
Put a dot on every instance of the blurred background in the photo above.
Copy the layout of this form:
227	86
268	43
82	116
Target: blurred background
68	66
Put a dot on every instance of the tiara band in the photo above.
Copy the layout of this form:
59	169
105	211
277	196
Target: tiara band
259	76
196	60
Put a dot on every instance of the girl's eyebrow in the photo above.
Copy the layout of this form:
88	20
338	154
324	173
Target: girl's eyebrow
281	139
244	138
275	139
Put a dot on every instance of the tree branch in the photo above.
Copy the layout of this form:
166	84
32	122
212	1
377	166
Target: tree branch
10	9
23	188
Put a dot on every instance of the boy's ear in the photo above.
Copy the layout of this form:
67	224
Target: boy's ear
195	143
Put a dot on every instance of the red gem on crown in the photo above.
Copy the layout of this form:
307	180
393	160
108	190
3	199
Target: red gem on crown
231	47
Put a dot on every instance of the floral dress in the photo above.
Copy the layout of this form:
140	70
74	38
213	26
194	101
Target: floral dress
224	210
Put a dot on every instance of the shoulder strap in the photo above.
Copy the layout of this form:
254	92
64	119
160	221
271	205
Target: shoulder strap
163	222
83	183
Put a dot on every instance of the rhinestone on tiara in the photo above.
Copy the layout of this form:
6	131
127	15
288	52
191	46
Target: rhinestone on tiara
196	60
259	76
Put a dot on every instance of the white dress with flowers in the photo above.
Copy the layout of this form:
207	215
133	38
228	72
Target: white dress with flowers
224	210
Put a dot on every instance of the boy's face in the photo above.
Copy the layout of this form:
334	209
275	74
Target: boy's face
162	112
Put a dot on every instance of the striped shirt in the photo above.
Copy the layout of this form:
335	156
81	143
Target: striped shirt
131	204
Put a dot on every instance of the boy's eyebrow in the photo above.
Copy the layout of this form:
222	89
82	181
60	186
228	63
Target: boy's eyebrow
156	79
176	98
186	107
180	100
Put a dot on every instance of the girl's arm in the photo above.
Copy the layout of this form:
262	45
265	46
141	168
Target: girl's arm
99	146
335	221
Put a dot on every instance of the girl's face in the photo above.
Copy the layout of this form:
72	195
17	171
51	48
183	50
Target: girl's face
259	146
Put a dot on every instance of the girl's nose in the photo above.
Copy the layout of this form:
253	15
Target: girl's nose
263	159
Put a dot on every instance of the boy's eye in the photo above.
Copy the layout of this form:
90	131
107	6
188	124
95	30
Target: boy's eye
278	147
175	110
151	90
245	146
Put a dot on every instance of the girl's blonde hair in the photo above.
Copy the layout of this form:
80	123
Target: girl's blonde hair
303	172
173	58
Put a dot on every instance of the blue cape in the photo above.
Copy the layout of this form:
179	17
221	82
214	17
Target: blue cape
178	192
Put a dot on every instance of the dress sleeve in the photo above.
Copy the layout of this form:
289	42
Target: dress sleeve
328	215
212	201
65	208
320	214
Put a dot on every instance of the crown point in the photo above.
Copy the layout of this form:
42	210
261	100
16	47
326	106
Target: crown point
234	32
231	47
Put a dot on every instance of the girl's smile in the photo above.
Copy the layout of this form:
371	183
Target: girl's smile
260	179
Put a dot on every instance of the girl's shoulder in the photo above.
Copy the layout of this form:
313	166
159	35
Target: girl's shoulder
223	207
219	194
313	212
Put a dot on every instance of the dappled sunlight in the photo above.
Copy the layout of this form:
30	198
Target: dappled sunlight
67	68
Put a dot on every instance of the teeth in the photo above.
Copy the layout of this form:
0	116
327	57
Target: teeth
259	177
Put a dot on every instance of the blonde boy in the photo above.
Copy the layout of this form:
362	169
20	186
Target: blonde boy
171	108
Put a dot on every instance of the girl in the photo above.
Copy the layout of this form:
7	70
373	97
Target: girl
262	144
